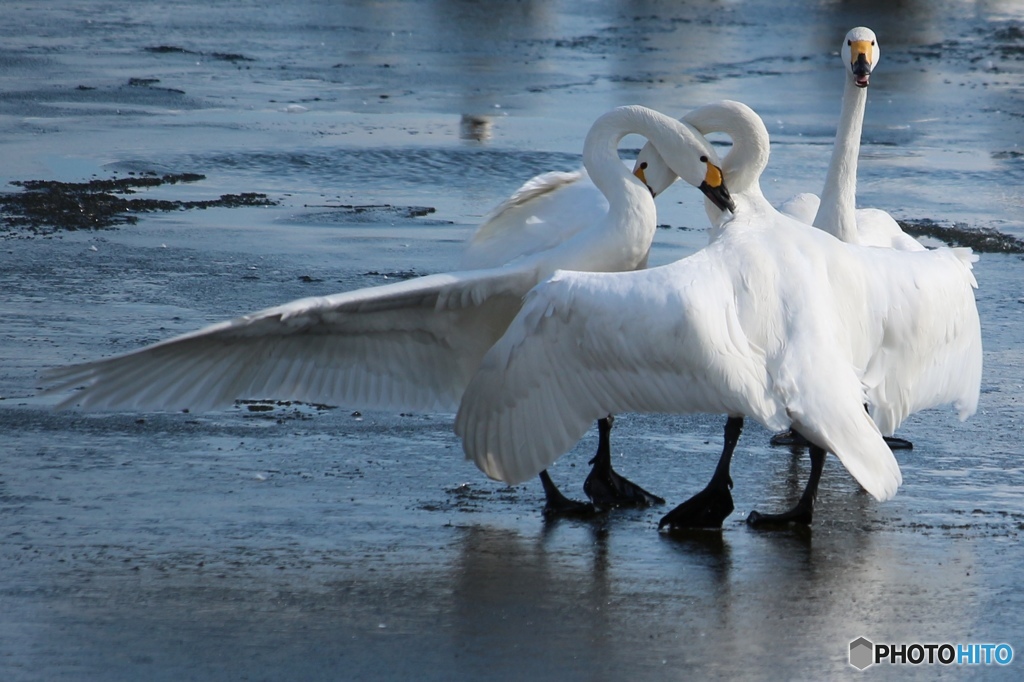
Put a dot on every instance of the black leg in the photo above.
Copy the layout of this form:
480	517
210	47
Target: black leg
710	507
557	504
803	512
604	486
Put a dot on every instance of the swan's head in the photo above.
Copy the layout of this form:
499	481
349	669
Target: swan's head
750	143
653	170
699	162
713	185
860	54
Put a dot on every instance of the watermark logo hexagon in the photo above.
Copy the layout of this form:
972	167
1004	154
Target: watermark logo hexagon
862	653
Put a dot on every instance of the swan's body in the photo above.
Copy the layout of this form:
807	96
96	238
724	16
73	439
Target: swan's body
936	357
547	210
773	320
875	227
409	345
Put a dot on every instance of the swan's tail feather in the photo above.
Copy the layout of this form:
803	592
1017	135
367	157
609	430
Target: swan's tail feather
859	446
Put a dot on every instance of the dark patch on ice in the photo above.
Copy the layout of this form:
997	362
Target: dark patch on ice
981	239
684	228
402	211
220	56
1008	154
282	410
1010	41
372	213
46	206
468	499
600	44
149	83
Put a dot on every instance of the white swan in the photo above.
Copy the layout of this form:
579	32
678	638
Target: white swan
409	345
774	320
836	212
545	211
549	209
927	375
926	372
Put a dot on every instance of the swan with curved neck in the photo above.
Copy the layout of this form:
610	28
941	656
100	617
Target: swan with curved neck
743	166
554	208
628	230
412	345
774	319
922	365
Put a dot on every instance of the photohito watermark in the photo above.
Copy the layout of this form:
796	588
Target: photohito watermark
864	653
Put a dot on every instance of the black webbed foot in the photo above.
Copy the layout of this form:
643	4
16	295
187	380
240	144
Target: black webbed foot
557	505
800	514
710	507
604	486
791	438
803	512
898	443
788	439
707	509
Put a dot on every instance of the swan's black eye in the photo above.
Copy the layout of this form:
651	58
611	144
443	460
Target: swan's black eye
849	42
704	159
643	166
872	43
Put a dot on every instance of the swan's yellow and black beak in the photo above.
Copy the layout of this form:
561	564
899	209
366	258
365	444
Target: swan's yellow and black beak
860	62
639	172
714	187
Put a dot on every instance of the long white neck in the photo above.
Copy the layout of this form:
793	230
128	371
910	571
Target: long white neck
601	156
837	211
747	159
632	217
631	206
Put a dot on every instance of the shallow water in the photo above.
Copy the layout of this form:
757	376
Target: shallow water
299	543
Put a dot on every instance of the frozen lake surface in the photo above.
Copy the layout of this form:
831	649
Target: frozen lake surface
304	543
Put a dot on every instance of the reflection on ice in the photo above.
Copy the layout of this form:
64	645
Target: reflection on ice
476	128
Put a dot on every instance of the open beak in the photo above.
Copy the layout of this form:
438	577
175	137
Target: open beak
859	63
639	172
714	188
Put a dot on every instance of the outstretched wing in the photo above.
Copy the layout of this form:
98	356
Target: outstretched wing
408	345
931	349
588	345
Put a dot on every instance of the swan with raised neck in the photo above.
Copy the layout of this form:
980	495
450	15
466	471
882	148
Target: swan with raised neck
837	210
